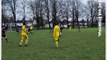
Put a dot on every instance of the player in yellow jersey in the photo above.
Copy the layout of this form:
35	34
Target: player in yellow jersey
30	29
56	34
24	35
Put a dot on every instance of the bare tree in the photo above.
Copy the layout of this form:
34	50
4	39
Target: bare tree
42	7
32	6
67	11
23	6
103	12
4	19
47	11
12	5
39	13
96	4
37	3
93	10
54	11
73	13
76	7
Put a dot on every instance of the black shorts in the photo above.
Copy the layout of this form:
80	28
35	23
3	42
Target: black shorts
17	31
3	35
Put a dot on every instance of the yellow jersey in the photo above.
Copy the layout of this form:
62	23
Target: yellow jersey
31	27
24	30
56	32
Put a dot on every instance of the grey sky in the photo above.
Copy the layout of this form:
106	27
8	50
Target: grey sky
19	16
85	1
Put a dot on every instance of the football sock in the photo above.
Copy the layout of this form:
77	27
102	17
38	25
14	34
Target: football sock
21	42
56	44
26	42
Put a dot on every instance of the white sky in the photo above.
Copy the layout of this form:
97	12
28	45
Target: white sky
29	15
85	1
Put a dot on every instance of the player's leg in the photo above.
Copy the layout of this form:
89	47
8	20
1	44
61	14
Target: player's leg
26	42
2	38
6	39
56	42
21	41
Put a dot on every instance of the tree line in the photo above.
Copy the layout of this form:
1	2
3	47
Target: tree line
54	10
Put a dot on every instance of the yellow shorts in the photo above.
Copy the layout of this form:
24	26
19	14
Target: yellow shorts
56	37
25	36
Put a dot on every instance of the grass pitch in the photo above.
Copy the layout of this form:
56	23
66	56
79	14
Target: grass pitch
73	45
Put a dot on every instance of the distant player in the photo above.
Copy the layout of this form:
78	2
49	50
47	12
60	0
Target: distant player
17	29
56	34
30	29
24	35
4	33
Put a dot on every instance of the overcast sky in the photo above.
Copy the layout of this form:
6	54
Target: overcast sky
85	1
19	17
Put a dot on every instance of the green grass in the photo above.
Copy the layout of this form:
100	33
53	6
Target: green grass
73	45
